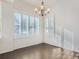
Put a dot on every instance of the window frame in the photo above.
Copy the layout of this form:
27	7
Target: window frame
20	35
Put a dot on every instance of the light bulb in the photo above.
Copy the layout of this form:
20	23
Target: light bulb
48	9
36	10
39	12
45	12
42	7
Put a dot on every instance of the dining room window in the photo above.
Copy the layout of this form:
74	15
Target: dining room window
49	27
25	24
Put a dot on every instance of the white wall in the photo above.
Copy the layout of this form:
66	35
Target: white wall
0	18
67	16
8	40
28	10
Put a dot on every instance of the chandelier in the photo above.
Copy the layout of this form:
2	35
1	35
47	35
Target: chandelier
42	10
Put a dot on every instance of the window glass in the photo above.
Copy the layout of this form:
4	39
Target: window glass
46	24
31	24
49	24
25	25
17	23
36	24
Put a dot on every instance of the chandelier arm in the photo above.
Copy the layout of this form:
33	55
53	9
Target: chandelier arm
42	10
42	2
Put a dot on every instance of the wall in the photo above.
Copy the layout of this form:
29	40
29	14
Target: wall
31	40
67	16
0	19
8	40
66	20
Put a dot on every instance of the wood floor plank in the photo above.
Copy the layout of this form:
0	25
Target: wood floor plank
41	51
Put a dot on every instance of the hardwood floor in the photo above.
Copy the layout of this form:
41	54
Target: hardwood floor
41	51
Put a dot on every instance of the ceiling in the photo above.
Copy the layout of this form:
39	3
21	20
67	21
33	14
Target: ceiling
49	3
36	3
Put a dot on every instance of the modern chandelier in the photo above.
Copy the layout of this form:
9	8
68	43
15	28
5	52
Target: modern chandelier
42	10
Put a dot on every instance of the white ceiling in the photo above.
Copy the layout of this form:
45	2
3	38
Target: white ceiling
49	3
